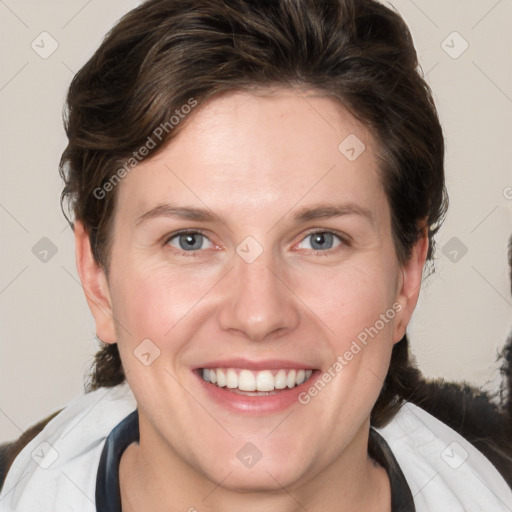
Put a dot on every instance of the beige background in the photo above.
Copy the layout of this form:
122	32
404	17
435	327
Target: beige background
47	333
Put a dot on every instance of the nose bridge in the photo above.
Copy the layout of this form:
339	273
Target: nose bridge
258	302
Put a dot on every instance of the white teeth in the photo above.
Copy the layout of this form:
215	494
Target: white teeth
246	381
280	379
291	378
231	379
221	378
262	381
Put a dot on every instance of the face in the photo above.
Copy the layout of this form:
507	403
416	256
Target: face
255	251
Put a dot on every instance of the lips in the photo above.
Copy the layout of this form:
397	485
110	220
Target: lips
255	387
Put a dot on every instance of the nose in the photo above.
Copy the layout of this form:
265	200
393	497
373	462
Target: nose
258	304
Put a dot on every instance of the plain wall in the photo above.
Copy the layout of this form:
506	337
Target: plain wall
47	332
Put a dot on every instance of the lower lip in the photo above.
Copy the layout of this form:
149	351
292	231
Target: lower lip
257	405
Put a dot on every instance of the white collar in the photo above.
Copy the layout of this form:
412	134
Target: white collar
57	470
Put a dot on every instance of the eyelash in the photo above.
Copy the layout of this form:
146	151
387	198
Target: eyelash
342	238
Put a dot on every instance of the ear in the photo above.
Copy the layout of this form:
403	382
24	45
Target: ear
409	285
95	285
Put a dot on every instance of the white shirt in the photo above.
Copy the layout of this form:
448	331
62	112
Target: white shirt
56	471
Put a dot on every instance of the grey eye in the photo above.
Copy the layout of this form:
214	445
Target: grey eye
321	240
192	241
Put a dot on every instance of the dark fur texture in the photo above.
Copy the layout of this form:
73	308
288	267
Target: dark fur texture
483	419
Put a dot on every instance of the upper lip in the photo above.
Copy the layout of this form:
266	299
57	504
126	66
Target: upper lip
267	364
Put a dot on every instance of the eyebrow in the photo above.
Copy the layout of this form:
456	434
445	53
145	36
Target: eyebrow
320	211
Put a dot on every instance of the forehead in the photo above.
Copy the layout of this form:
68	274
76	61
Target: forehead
259	152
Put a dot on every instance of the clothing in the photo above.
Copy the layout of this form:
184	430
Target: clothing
108	495
59	470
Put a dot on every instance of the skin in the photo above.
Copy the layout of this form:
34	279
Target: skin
254	159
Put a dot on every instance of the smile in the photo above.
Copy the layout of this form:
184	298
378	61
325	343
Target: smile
255	383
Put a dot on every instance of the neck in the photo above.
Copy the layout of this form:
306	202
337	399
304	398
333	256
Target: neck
154	478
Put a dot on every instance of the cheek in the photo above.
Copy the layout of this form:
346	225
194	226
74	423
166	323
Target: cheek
151	300
356	305
351	298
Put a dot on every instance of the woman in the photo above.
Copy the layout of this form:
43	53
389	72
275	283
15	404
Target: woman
255	189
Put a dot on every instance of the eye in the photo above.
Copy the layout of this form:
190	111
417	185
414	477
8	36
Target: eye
193	241
322	241
189	241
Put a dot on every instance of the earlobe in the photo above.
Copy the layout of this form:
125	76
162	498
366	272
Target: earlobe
410	285
95	285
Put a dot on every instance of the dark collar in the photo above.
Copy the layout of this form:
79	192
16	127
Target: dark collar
108	494
401	496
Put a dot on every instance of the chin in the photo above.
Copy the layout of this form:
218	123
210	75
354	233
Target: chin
252	470
257	480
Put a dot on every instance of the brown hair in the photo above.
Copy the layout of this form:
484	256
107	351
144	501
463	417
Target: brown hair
166	52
